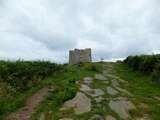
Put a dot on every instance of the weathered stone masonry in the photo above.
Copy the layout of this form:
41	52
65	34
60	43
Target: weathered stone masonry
79	56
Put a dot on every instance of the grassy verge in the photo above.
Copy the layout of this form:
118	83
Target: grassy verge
143	89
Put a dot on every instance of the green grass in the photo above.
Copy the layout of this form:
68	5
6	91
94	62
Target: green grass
143	89
140	85
66	89
21	79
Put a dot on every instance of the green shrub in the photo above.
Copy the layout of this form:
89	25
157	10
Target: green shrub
147	64
156	73
119	61
92	67
25	74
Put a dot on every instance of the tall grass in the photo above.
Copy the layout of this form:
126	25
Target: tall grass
24	74
147	64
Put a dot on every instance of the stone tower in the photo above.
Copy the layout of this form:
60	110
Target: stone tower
79	56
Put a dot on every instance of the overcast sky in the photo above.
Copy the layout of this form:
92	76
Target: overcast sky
48	29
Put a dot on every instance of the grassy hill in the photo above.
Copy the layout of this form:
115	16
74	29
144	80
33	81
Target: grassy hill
21	79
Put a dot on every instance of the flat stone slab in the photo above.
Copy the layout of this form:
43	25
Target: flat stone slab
100	77
121	107
65	119
81	103
115	83
91	92
123	90
87	79
97	116
119	98
87	82
122	80
113	76
99	99
111	91
106	82
109	117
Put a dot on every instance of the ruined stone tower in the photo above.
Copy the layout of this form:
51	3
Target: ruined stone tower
79	56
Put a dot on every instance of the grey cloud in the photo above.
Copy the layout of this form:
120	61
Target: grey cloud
52	41
112	29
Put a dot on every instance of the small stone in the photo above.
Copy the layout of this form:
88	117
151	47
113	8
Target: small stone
42	117
98	92
114	83
91	92
106	82
65	119
77	82
121	107
113	76
111	91
85	88
109	117
99	105
97	116
100	77
122	80
121	98
87	82
123	90
99	99
87	79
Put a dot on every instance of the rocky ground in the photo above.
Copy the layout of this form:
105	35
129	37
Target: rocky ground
120	104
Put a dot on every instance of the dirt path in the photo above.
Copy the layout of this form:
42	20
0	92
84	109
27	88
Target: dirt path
33	101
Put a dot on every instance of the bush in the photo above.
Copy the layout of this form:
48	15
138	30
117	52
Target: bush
147	64
92	67
156	73
119	61
22	75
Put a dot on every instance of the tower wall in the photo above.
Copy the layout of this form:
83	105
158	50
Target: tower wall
79	56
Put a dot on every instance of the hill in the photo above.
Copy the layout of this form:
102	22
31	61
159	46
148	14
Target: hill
89	91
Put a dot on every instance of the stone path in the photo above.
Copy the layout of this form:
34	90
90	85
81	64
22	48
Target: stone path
91	92
121	105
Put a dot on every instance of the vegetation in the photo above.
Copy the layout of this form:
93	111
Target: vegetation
66	89
19	77
147	64
143	90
